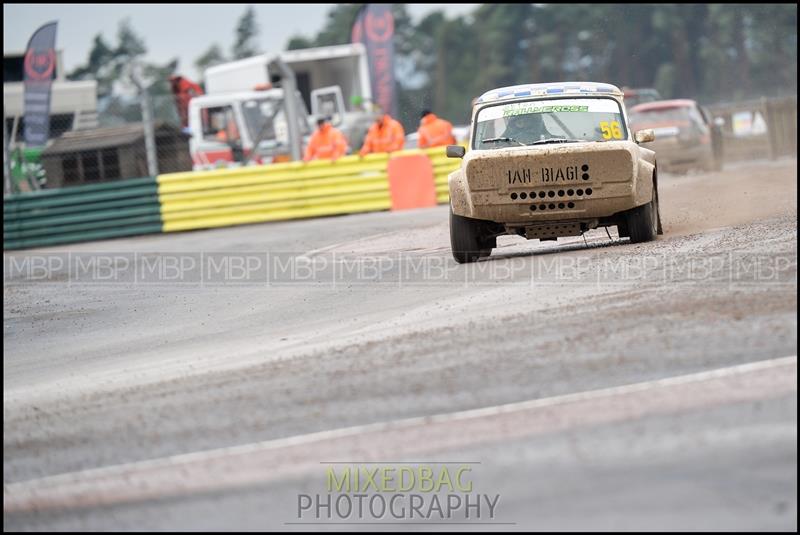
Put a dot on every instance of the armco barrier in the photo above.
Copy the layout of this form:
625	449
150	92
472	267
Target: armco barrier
186	201
274	192
81	213
442	166
286	191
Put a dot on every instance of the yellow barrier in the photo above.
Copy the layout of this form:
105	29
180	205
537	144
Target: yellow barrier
176	204
273	192
442	167
282	191
260	214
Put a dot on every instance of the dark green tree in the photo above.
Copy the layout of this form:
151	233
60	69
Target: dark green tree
112	68
299	42
338	25
710	52
108	64
101	54
209	58
246	42
129	45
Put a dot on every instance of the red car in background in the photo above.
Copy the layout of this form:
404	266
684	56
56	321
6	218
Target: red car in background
686	136
632	97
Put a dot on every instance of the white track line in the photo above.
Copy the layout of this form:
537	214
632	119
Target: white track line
230	467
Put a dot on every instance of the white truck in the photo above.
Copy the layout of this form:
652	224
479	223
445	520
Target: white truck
243	116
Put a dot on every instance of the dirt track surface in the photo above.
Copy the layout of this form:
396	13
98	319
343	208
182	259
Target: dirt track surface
125	371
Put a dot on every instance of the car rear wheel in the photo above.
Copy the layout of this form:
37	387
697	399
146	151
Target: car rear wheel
468	239
643	221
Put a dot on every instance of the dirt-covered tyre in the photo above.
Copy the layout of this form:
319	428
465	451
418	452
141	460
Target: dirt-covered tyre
660	228
487	244
643	222
467	240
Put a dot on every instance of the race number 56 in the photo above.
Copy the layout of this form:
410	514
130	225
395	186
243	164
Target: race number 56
610	130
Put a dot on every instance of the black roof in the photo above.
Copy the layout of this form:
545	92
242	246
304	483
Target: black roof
107	137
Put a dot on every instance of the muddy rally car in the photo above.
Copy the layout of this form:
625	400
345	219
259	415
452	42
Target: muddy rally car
551	160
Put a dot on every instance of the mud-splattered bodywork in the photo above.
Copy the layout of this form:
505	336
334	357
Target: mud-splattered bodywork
581	183
598	179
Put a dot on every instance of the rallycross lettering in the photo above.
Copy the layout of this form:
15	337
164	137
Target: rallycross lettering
522	176
524	109
557	174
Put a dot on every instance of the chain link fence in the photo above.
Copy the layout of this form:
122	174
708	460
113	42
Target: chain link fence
108	144
112	142
25	166
759	128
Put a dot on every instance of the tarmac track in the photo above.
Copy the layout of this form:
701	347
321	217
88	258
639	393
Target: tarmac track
597	385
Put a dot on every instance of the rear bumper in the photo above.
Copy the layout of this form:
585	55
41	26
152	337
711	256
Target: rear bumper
586	201
519	187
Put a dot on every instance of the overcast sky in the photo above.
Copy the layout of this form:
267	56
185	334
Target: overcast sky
170	30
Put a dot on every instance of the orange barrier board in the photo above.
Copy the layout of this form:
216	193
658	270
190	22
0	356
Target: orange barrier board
411	183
